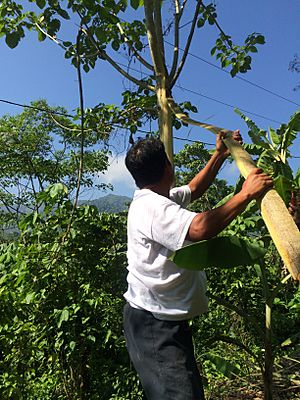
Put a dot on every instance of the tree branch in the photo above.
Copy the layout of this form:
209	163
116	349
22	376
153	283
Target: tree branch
81	100
153	40
158	29
187	46
135	53
177	17
107	58
49	36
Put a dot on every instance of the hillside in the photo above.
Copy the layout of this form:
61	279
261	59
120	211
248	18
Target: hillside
110	203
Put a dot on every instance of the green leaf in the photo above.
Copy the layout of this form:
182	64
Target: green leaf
41	3
253	49
222	252
72	345
63	13
115	45
274	137
201	22
297	178
64	316
213	50
136	3
284	187
260	39
41	36
294	122
223	366
29	297
12	39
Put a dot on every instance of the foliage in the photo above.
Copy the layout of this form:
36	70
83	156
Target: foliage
61	305
39	148
100	20
48	271
272	149
188	162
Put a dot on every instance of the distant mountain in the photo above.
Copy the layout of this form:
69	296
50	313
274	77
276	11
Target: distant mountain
110	203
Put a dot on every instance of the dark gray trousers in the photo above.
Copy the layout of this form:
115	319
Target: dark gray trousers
162	353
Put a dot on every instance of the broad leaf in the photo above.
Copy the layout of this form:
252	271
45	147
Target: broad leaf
222	252
12	39
284	187
258	136
294	122
274	137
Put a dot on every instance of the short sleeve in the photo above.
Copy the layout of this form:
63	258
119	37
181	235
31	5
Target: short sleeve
170	224
181	195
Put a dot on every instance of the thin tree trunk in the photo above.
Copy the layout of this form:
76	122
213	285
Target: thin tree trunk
268	370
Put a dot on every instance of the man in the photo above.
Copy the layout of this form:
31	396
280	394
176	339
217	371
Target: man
161	297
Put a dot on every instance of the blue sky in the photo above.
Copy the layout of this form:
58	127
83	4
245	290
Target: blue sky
38	70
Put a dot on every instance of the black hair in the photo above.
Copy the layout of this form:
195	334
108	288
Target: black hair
146	161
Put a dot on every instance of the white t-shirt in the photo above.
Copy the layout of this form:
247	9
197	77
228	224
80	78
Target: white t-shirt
157	226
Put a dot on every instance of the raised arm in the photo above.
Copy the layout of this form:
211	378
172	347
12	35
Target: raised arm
201	182
209	223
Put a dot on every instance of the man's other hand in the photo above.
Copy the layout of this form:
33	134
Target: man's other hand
257	184
220	146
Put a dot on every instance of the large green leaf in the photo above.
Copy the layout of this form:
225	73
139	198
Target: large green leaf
222	252
284	187
294	122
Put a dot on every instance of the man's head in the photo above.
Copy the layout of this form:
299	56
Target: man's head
147	161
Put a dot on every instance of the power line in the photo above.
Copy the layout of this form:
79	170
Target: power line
36	108
216	100
239	77
227	72
228	105
119	126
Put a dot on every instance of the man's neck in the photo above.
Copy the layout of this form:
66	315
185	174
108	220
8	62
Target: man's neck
159	188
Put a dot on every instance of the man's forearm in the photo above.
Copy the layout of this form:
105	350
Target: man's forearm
210	223
201	182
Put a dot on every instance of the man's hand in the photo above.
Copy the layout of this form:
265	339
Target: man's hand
220	146
257	184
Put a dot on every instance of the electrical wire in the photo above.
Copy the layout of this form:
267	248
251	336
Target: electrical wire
114	125
238	77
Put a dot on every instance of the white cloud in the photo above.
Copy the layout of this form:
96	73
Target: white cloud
230	173
118	175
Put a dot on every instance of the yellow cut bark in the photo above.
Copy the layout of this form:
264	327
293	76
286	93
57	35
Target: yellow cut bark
280	224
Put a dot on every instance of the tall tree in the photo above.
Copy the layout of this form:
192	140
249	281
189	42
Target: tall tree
103	31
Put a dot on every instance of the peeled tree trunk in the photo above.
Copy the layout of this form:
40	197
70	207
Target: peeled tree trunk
280	224
155	39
